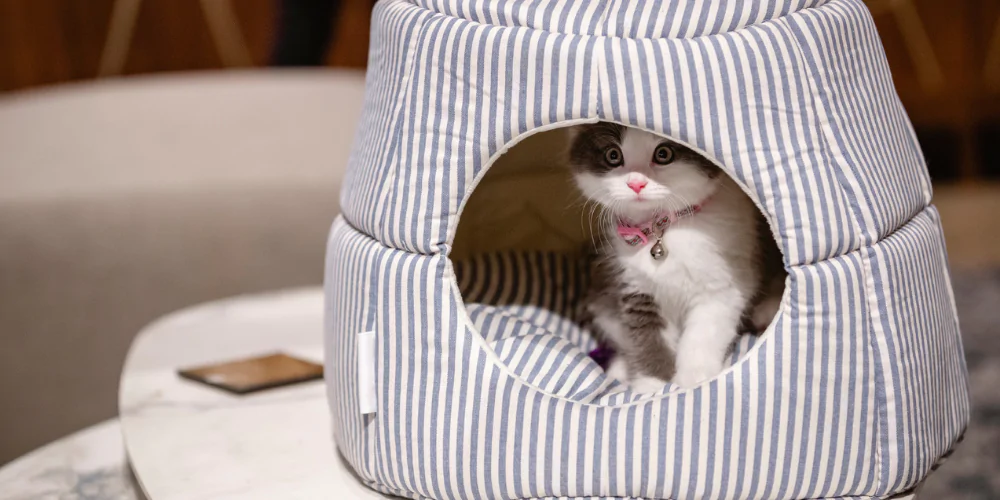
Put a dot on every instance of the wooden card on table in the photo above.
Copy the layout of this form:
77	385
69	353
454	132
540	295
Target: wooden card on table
255	374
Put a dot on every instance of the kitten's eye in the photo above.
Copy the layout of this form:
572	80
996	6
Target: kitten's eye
663	155
614	157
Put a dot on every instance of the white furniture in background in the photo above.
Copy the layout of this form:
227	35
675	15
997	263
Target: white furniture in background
123	200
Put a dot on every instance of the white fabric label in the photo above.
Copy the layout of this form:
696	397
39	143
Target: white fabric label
367	396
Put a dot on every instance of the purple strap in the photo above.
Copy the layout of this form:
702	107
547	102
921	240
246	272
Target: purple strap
602	355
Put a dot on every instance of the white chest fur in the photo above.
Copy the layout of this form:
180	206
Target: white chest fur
710	257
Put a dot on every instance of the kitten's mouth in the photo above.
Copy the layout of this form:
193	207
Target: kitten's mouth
638	211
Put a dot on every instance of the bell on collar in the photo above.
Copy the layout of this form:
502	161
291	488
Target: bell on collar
658	251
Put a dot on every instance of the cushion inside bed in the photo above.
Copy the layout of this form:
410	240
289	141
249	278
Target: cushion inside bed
525	305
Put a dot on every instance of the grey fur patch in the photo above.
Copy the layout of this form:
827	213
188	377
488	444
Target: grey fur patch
586	151
692	157
772	276
636	313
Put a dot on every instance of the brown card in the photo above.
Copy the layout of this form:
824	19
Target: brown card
255	374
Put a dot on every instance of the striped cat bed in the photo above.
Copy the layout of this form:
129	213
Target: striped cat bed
446	379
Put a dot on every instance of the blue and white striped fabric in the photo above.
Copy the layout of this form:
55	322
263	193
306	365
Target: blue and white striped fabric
855	391
525	305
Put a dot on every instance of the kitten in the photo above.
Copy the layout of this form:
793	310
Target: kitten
690	258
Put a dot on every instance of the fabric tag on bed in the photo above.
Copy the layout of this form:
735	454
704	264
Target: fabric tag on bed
367	396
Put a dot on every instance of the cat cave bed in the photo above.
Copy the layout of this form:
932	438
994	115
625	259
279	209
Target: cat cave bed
453	364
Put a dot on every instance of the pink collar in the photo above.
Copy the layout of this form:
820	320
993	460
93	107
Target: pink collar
636	234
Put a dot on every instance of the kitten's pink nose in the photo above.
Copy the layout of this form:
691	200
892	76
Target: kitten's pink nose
637	184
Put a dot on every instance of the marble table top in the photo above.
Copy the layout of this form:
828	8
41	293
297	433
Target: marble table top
186	440
87	465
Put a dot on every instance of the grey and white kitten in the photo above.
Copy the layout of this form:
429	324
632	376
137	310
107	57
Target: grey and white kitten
673	317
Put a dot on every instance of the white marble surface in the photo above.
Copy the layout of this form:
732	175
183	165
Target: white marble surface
89	464
189	441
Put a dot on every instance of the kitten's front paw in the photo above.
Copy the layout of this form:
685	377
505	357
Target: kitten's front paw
645	384
694	374
618	369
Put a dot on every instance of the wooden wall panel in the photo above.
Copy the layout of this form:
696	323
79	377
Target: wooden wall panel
257	20
50	41
948	112
986	33
350	44
171	35
945	24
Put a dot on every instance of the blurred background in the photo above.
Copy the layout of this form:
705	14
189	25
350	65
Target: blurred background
945	56
153	157
45	42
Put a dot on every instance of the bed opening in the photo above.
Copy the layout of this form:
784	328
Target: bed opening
523	257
